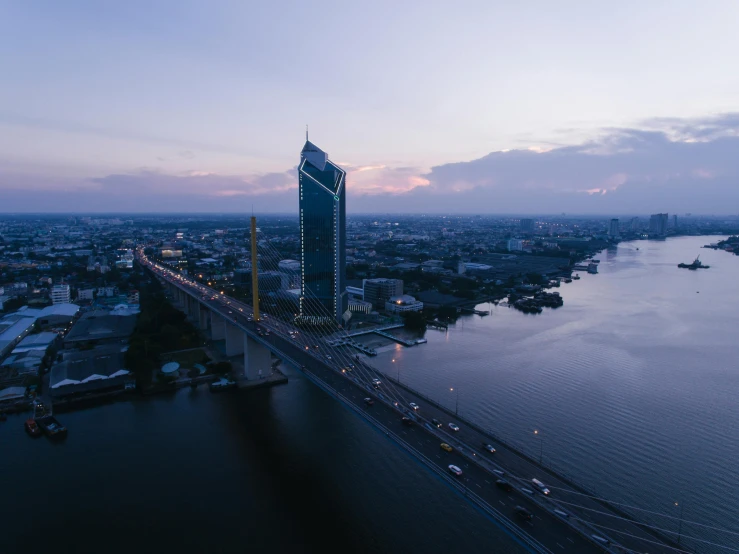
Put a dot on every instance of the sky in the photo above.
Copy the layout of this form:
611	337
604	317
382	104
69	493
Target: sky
430	106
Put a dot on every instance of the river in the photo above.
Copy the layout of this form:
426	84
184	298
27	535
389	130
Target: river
631	385
286	469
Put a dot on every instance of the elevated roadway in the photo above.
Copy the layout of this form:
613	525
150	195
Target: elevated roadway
563	521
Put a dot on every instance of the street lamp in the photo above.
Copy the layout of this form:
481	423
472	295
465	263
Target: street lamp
456	403
541	444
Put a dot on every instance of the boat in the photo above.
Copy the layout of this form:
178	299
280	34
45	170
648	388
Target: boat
568	280
51	426
575	276
222	384
592	268
697	264
32	427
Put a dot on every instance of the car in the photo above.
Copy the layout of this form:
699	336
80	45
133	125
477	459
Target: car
376	382
445	446
601	540
436	422
413	405
503	484
315	346
489	448
328	357
561	513
455	470
406	420
523	513
369	401
540	487
454	427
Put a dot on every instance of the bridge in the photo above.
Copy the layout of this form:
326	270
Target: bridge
568	519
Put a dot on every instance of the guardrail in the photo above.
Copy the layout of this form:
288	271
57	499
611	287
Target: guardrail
557	473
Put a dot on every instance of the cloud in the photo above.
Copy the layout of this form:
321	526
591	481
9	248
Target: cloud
686	165
672	165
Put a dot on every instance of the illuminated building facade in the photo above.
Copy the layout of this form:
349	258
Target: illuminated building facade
321	185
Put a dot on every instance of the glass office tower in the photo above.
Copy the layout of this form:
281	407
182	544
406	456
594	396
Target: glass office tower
321	185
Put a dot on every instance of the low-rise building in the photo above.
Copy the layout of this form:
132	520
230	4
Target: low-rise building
402	304
101	327
60	294
87	371
86	294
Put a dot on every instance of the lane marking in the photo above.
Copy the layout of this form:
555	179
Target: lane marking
562	547
569	539
501	502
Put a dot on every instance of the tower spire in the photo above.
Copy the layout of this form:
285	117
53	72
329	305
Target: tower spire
306	132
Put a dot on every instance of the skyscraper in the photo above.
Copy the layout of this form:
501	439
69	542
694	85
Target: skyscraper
613	229
527	226
321	185
658	224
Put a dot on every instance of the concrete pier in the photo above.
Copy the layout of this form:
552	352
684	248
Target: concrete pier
257	359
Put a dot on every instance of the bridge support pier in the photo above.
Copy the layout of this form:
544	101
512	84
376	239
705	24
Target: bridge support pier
194	311
217	327
203	317
235	340
257	359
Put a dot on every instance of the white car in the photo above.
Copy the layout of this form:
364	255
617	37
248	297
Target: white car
540	486
455	470
454	427
376	382
413	405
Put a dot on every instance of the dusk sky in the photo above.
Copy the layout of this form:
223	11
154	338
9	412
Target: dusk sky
467	107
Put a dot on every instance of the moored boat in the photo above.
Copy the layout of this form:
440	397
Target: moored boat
51	426
32	427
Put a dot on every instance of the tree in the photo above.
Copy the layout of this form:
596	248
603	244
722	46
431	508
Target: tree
414	321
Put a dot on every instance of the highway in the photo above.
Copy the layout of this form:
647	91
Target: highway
568	529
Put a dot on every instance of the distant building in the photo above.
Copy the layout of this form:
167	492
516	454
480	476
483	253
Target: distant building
613	229
674	221
132	297
101	327
358	306
378	291
527	226
461	267
60	294
402	304
269	281
658	224
85	371
85	294
515	245
289	265
635	224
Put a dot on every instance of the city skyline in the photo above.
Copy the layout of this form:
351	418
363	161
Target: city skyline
522	109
